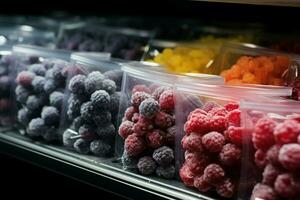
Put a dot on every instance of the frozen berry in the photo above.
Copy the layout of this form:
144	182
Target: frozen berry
50	115
196	112
270	174
213	142
234	118
69	138
35	102
129	113
25	78
231	106
38	84
134	145
140	88
186	176
218	123
22	94
128	162
100	148
93	82
163	155
38	69
264	192
109	86
138	97
56	99
167	172
201	184
87	132
146	165
226	188
106	132
163	120
155	139
209	106
100	99
262	136
126	129
24	116
50	135
82	146
142	126
235	135
77	122
272	154
74	104
218	111
116	76
76	84
87	111
135	117
287	186
148	108
114	102
197	124
230	154
166	100
287	132
36	127
196	162
260	158
50	86
158	91
192	143
170	136
289	156
214	174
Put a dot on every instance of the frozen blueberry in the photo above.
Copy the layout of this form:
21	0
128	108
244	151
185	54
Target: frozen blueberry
100	148
129	163
50	86
22	94
57	71
56	99
149	108
109	86
77	122
167	172
38	69
146	165
163	155
100	99
38	84
93	82
76	84
102	118
36	102
36	127
87	111
106	132
114	102
74	104
82	146
49	74
69	138
116	76
24	116
50	115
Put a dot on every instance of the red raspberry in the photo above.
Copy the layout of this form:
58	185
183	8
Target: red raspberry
198	124
201	184
170	136
263	192
289	156
214	174
218	111
287	187
140	88
153	87
163	120
218	123
192	143
231	106
158	91
196	112
209	105
142	126
260	158
186	176
295	117
166	100
234	135
213	141
135	117
287	132
134	145
196	162
130	111
155	139
25	78
230	155
272	154
270	174
138	97
226	188
262	136
126	129
234	118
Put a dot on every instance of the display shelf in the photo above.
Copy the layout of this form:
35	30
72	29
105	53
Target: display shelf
103	173
292	3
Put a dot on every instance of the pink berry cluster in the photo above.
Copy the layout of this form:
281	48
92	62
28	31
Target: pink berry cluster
277	154
212	144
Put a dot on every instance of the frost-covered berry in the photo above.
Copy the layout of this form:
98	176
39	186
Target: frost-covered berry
100	99
100	148
56	99
82	146
149	108
163	155
77	85
50	115
167	172
38	69
36	127
93	82
22	94
109	86
146	165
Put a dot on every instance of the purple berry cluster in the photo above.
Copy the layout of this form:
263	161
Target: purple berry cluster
92	110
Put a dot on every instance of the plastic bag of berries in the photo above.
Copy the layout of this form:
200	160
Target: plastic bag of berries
40	78
210	137
272	153
92	105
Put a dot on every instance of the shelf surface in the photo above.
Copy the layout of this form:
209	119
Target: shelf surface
291	3
103	173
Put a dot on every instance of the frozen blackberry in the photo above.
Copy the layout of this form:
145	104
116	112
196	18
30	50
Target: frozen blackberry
50	135
38	84
36	102
56	99
82	146
24	116
146	165
106	132
69	138
138	97
77	122
109	86
163	155
167	172
87	111
36	127
93	82
128	162
100	99
102	118
50	86
116	76
149	108
114	102
74	107
50	115
100	148
22	94
87	132
38	69
76	84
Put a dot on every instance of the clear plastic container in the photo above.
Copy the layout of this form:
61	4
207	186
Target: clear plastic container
122	43
209	137
271	150
251	64
92	104
40	78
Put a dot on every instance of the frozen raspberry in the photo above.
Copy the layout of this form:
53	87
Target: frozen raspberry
262	136
209	105
163	120
126	129
218	123
146	165
234	118
287	187
196	112
140	88
270	174
201	184
230	155
287	132
289	156
273	153
134	145
142	126
260	158
129	112
214	174
263	192
226	188
196	162
218	111
155	139
25	78
135	117
298	139
192	143
149	108
235	135
163	155
166	100
231	106
295	117
213	142
158	91
186	176
138	97
198	124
